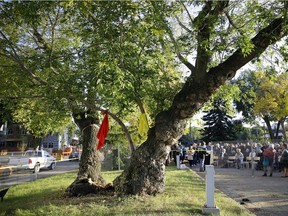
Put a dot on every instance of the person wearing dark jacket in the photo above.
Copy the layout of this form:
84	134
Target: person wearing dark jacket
201	150
284	160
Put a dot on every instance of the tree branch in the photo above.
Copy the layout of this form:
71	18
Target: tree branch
46	47
182	25
180	56
21	97
40	39
125	129
193	94
205	23
267	36
232	23
16	58
187	11
115	117
53	24
175	44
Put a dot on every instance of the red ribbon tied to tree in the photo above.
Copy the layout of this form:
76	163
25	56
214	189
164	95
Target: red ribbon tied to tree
103	131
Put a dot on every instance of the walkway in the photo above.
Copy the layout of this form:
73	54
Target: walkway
268	196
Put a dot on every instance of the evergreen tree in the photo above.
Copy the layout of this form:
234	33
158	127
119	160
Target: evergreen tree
218	125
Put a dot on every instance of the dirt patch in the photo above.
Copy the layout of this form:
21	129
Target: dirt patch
262	195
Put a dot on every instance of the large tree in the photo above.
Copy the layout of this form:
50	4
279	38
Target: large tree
271	102
81	58
263	94
57	63
210	32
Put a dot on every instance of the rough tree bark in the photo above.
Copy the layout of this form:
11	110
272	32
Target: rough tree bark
89	179
146	172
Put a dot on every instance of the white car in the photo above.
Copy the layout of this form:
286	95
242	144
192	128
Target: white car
34	160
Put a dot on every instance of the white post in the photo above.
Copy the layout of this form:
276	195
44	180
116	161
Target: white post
178	161
211	155
210	186
209	207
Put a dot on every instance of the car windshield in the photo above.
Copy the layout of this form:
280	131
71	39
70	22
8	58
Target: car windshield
33	154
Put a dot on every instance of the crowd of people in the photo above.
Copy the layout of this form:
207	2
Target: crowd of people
273	157
195	154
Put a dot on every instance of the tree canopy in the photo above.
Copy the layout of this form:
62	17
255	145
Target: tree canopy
114	60
77	58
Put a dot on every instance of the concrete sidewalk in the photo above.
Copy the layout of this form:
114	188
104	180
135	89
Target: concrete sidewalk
267	195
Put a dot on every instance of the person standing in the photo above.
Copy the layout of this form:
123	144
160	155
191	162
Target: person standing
268	157
238	158
201	150
195	155
190	154
284	160
174	153
182	153
223	159
208	154
252	154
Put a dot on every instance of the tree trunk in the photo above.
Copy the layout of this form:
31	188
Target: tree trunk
89	179
283	129
146	172
277	129
271	134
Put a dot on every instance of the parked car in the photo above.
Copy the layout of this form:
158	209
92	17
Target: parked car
74	155
34	160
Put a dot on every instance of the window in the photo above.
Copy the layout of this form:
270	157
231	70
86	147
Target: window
2	144
50	145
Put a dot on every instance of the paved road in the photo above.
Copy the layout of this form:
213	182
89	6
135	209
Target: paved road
268	196
22	176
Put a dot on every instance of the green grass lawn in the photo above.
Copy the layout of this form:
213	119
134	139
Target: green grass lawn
184	195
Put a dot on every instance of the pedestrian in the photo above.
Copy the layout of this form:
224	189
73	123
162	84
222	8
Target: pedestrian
190	154
268	157
195	155
223	159
284	160
239	158
201	150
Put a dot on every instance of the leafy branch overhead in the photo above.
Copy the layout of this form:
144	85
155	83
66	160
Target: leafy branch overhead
76	58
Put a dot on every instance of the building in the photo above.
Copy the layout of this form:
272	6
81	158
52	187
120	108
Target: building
14	137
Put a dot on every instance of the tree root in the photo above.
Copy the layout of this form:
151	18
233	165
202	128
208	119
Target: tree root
84	187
